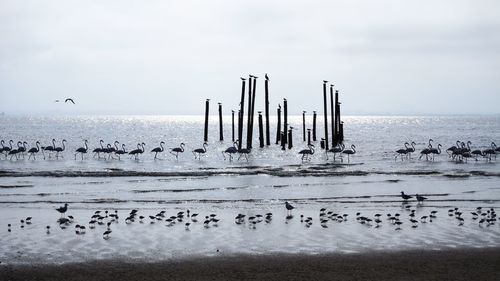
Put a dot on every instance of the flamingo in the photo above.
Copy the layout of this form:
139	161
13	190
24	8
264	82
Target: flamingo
49	148
14	152
335	150
34	150
121	151
490	151
435	151
349	152
200	151
82	150
137	151
453	148
231	150
245	152
97	151
6	149
307	152
22	148
157	150
60	149
411	149
402	151
177	150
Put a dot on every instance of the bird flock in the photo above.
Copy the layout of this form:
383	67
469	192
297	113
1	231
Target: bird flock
460	152
104	220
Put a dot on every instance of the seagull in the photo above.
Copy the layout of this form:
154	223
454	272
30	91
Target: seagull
267	77
404	196
324	81
420	198
289	207
69	99
243	79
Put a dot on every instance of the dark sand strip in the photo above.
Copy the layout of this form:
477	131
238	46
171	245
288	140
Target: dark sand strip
465	264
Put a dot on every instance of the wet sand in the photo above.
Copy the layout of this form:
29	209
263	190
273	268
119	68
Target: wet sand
461	264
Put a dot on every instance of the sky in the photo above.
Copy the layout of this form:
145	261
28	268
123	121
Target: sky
166	57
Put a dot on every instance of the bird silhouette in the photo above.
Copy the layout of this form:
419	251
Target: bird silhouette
69	99
267	77
177	150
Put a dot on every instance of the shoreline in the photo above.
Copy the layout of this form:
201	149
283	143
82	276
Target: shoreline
455	264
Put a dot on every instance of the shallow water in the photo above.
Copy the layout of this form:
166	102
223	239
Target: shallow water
369	183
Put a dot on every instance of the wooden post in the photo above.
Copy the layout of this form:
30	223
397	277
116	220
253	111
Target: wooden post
283	143
232	125
338	139
250	141
241	113
268	137
285	119
325	112
249	109
290	138
334	135
205	135
308	136
221	131
278	130
314	125
303	126
261	131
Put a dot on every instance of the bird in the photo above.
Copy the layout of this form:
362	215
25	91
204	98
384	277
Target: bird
426	152
62	209
349	152
177	150
435	151
244	152
82	150
307	152
335	150
69	99
121	151
34	150
230	150
243	79
404	196
200	151
49	148
420	198
289	208
137	151
411	149
325	81
401	152
267	77
60	149
106	233
159	149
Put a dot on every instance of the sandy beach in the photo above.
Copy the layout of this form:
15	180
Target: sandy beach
460	264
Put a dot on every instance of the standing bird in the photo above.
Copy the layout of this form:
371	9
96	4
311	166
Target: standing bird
63	209
34	150
230	150
435	151
97	151
70	100
267	77
60	149
49	148
420	198
289	208
159	149
121	151
411	149
335	150
404	196
307	152
82	150
402	151
244	152
6	149
137	151
349	152
177	150
426	152
200	151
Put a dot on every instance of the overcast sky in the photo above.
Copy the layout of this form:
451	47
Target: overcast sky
166	57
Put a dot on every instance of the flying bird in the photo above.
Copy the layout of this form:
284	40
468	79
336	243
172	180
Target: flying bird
69	99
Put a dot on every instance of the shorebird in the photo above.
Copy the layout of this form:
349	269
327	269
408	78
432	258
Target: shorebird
177	150
420	198
289	208
404	196
200	151
307	152
159	149
349	152
63	209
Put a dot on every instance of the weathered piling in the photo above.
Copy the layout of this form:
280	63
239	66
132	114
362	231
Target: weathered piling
232	125
332	109
266	85
205	134
303	126
314	126
241	113
261	131
249	118
290	138
308	136
337	139
341	132
278	129
325	112
285	119
221	131
250	141
283	143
